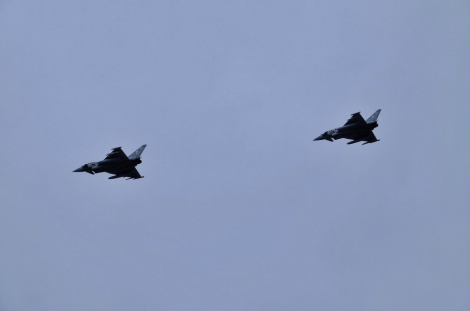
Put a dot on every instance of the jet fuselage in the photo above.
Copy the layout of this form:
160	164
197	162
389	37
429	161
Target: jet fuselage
109	166
343	131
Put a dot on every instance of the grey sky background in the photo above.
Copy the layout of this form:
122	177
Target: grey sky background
239	208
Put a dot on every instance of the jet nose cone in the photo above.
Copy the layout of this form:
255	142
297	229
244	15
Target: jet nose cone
78	169
319	138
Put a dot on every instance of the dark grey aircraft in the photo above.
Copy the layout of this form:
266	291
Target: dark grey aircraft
116	163
356	128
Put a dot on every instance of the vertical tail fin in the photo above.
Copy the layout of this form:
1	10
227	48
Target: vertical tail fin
374	116
136	154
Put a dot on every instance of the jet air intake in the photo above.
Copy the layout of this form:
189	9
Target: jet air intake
87	168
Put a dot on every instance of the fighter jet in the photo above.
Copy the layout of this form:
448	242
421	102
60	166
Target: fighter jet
355	128
116	163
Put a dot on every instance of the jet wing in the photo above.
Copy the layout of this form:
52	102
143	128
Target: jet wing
134	174
130	173
355	118
362	136
371	138
117	153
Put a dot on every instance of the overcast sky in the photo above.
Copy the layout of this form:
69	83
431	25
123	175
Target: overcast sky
239	208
